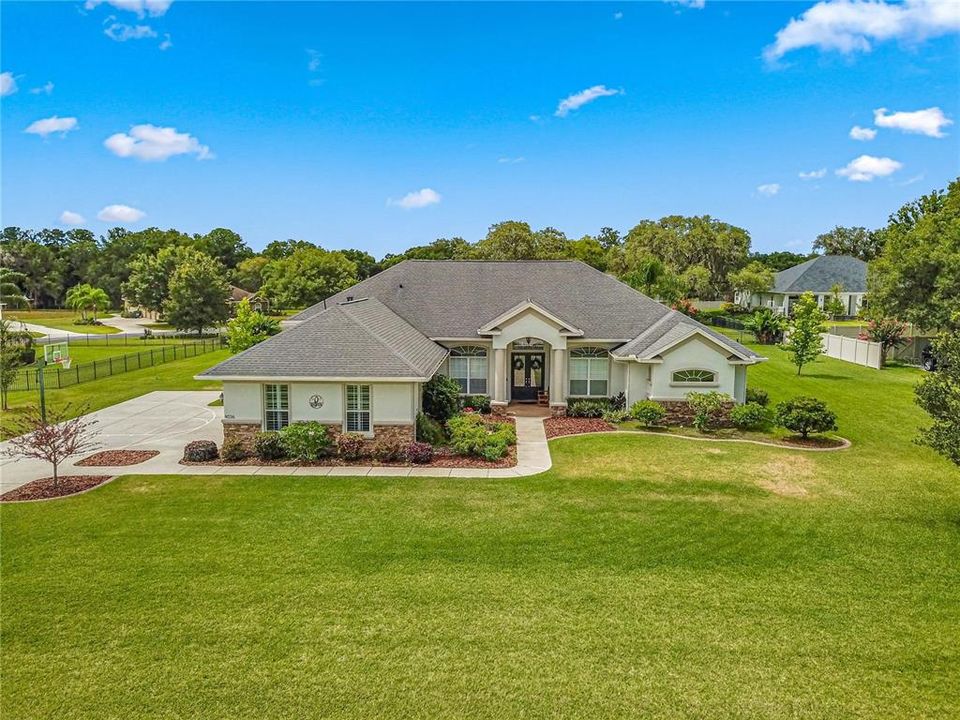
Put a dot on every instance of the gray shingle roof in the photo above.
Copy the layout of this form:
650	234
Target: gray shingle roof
821	273
670	329
357	339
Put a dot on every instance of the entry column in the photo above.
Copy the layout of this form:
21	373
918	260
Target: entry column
499	380
558	394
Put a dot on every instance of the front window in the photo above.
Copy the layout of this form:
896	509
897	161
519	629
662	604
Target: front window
468	367
695	376
589	370
276	406
358	409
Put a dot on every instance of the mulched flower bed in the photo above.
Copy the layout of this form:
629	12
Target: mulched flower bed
559	426
443	458
43	488
116	458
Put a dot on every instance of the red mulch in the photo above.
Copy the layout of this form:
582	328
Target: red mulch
558	426
43	488
115	458
442	458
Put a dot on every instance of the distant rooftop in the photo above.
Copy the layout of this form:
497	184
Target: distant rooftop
821	273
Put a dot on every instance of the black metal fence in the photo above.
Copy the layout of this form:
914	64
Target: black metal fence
55	376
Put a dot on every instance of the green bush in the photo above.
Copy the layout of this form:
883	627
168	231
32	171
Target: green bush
388	450
648	412
758	395
233	450
805	415
200	451
588	408
305	441
269	446
708	408
616	417
351	446
479	403
749	416
441	398
429	430
470	435
419	453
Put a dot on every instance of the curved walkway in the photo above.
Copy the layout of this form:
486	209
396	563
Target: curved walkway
167	420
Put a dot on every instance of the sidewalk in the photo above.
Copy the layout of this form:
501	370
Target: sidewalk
167	420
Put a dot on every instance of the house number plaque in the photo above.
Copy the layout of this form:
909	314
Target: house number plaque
316	402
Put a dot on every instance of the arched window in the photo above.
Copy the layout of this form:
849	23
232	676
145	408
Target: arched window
468	366
589	371
694	376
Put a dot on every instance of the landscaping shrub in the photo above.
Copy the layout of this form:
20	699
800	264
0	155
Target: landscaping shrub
708	408
648	412
584	408
233	450
766	325
749	416
441	398
479	403
269	446
470	435
616	417
305	441
758	395
805	415
388	450
200	451
351	446
619	401
419	453
429	430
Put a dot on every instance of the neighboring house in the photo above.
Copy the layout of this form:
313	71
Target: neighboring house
545	331
818	276
258	303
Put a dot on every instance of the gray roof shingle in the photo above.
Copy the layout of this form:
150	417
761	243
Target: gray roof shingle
672	328
356	339
821	273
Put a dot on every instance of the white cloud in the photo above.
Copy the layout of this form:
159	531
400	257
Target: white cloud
152	143
71	218
8	84
695	4
50	125
862	133
313	61
618	15
813	174
768	189
154	8
420	198
535	118
45	89
854	25
167	43
511	160
121	214
578	100
867	167
929	122
122	32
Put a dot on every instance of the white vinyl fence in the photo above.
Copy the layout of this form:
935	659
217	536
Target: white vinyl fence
861	352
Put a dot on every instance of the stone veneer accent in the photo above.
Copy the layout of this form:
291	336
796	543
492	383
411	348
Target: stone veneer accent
558	410
679	412
245	433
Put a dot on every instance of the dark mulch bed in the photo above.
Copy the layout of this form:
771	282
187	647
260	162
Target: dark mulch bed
43	488
443	458
811	442
558	426
111	458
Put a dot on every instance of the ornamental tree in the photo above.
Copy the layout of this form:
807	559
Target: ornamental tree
939	394
805	415
806	327
54	439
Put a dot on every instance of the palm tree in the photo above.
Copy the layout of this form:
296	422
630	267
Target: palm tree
10	293
86	297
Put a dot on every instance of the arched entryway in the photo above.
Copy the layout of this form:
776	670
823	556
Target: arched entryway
528	370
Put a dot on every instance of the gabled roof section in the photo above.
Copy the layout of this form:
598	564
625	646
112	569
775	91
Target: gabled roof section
821	273
674	329
567	328
452	298
359	339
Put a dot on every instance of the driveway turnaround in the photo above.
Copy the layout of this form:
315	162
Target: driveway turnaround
168	420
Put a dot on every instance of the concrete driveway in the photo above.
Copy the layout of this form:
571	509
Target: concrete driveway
162	420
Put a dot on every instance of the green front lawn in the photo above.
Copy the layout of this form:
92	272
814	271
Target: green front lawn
60	320
642	576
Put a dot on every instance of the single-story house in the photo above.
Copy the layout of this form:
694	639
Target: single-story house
818	276
518	332
257	301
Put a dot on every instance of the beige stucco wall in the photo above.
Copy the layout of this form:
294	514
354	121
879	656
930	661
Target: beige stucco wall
695	352
392	403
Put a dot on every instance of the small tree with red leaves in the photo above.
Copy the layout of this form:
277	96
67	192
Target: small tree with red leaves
54	439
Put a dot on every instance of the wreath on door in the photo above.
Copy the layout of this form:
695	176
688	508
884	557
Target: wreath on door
518	364
536	364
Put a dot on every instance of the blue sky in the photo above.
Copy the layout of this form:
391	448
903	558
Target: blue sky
316	121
